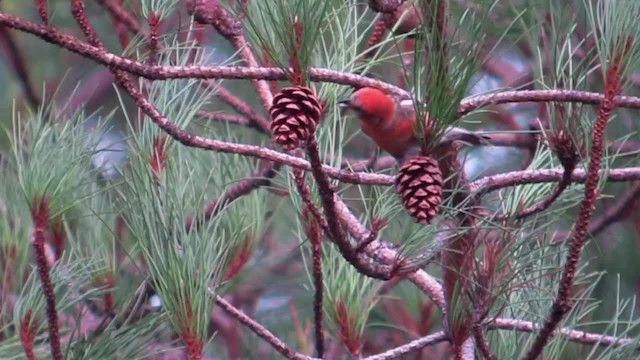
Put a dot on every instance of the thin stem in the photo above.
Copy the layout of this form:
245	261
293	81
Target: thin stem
483	344
410	347
488	184
545	203
279	345
313	223
122	15
336	231
576	336
213	13
243	187
558	95
314	233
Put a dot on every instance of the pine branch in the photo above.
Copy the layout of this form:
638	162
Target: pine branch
562	303
211	12
260	330
243	187
40	214
336	231
158	72
410	347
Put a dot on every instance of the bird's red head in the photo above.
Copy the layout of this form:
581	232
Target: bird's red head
372	105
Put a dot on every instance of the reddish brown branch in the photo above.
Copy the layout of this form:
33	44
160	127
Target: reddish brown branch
243	187
375	38
42	11
559	95
77	46
40	214
279	345
562	303
118	12
482	344
314	234
211	12
496	182
28	334
414	345
154	43
336	231
545	203
78	12
576	336
242	107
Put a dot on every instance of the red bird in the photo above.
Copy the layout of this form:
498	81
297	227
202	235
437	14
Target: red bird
391	123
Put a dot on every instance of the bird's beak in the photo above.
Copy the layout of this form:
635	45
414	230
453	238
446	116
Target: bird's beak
345	104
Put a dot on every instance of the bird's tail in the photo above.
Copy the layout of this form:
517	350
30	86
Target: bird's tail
458	134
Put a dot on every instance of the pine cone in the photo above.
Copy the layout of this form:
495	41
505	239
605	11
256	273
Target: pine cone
295	112
419	183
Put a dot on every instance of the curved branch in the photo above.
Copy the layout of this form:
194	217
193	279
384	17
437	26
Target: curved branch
414	345
158	72
259	330
563	95
488	184
577	336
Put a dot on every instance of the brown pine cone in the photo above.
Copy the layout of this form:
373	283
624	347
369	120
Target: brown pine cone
408	15
419	183
295	112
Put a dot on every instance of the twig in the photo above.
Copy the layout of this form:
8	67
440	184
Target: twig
211	12
618	211
336	231
243	187
28	332
576	336
236	103
559	95
412	346
545	203
385	254
314	234
122	15
242	107
259	330
42	10
483	344
231	118
305	193
496	182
